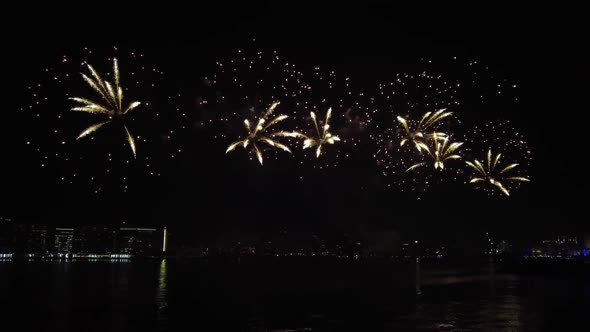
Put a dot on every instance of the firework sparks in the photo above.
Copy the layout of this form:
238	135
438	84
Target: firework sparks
108	167
489	173
457	84
245	80
111	104
416	135
262	134
323	135
443	151
509	144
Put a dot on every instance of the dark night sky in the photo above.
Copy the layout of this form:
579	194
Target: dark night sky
541	49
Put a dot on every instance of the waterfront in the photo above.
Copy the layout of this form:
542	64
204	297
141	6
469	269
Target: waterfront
300	295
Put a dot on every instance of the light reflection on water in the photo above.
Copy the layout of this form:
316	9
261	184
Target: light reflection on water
491	311
161	295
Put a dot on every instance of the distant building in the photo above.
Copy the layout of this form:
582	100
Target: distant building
83	241
243	249
6	236
265	248
561	247
550	248
30	239
141	241
63	240
383	243
100	240
503	247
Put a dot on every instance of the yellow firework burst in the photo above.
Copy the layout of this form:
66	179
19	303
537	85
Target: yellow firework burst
323	135
261	133
443	151
416	135
111	103
489	173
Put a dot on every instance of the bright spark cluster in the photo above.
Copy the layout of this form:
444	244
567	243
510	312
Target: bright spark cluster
102	163
497	158
323	135
249	80
441	151
261	133
111	105
418	135
490	172
412	125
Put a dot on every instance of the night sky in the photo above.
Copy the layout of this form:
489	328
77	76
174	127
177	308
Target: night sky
202	191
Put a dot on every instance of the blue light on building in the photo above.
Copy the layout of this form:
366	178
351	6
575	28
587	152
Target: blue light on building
585	252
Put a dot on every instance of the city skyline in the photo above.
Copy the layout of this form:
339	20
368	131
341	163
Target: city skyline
115	241
126	241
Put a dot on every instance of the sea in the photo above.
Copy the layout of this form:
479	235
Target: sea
288	294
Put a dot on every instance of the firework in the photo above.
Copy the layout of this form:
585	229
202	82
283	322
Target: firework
111	104
108	167
491	173
245	80
409	96
262	134
416	135
456	84
508	144
323	135
443	151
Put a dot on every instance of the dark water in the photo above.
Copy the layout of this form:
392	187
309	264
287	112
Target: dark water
301	295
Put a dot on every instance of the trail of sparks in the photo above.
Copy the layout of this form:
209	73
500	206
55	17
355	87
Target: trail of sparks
503	142
443	151
402	104
489	173
323	135
111	104
416	135
247	79
306	92
106	168
261	133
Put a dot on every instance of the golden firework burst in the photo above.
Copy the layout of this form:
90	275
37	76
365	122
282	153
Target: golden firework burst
443	151
323	135
261	133
111	104
416	135
488	173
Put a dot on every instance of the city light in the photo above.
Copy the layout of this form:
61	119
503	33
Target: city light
138	229
165	241
35	241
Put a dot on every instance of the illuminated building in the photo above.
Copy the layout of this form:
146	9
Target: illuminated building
94	241
63	240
